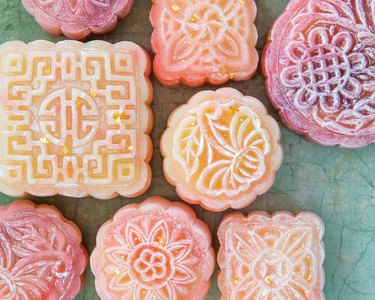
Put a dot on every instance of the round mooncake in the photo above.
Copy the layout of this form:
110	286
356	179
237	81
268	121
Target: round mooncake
320	68
77	19
41	256
221	150
153	250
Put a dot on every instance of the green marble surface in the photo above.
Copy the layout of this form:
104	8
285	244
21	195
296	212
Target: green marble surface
337	184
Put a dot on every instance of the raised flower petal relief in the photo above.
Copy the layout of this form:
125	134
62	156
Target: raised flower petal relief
344	41
318	36
289	77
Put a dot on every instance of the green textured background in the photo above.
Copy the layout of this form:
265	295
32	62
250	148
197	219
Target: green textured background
337	184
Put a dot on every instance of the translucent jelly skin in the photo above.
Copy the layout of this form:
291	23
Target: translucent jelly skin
153	250
319	64
75	119
203	41
271	257
221	150
78	19
41	256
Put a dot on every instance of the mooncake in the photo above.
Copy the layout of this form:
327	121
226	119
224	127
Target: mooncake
41	256
75	119
77	19
153	250
198	41
221	150
320	68
271	257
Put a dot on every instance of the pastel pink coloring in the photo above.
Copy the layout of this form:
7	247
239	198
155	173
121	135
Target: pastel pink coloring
153	250
41	256
320	68
271	257
198	41
77	19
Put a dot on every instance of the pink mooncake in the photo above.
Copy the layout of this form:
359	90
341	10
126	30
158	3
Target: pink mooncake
75	119
198	41
271	257
153	250
77	19
221	150
41	256
319	65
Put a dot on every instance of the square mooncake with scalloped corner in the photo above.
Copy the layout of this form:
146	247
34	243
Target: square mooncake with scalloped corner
199	41
278	256
75	119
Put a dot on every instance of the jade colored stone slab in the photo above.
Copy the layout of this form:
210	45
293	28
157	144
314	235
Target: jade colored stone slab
336	184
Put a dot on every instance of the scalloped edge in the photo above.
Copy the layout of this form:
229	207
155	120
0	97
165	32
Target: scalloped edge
173	209
186	79
193	197
52	25
340	140
272	218
53	212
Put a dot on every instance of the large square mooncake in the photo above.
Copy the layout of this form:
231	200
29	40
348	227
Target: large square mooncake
74	119
271	257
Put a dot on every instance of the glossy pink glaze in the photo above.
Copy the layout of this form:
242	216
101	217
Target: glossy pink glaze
278	256
77	19
153	250
197	41
319	65
221	150
41	255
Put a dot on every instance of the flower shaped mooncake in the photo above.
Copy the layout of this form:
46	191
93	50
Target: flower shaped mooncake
198	41
271	257
320	69
41	256
221	150
76	19
154	250
75	119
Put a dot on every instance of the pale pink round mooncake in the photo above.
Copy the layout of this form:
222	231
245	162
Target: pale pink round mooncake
278	256
41	255
221	150
77	19
153	250
319	65
197	41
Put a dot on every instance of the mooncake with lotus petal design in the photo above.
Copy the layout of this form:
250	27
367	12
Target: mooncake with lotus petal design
221	150
277	256
199	41
41	255
77	19
153	250
320	68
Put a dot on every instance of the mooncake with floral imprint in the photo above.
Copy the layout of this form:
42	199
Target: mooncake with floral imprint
277	256
75	119
320	69
221	150
198	41
41	256
153	250
77	19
